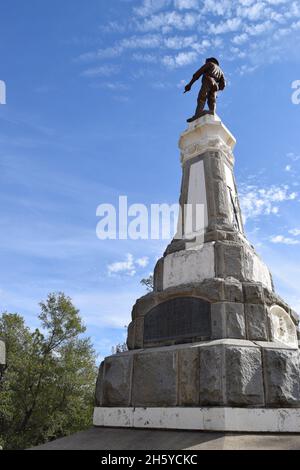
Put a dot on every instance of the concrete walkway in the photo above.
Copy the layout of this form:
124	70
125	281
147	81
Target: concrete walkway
141	439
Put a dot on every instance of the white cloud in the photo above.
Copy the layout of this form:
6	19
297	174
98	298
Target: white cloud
159	26
180	42
149	7
292	156
284	240
125	267
167	21
180	60
143	262
295	232
128	266
288	168
244	69
230	25
240	39
186	4
101	71
257	201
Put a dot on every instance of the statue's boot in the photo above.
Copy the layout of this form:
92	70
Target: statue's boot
198	115
192	119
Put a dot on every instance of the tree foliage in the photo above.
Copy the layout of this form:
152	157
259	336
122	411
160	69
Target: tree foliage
148	282
48	387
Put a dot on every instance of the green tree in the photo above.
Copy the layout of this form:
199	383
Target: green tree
148	282
48	387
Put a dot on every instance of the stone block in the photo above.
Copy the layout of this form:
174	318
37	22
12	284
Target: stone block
99	386
117	380
130	336
217	166
139	333
211	386
253	292
222	206
158	275
228	320
233	290
256	322
211	289
244	379
188	376
229	260
188	266
282	377
154	379
295	317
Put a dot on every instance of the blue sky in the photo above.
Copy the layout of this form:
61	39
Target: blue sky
94	110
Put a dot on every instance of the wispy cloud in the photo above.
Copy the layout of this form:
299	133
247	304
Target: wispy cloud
128	266
257	201
284	240
192	27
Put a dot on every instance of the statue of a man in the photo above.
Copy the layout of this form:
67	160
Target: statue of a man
213	80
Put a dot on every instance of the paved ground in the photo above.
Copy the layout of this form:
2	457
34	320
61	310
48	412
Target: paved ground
141	439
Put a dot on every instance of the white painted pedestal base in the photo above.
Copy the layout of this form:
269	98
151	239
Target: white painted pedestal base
202	419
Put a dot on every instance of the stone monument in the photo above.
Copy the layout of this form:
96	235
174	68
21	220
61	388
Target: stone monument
213	347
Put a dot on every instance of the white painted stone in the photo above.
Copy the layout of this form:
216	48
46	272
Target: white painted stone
169	418
202	419
188	266
261	272
113	417
232	195
196	220
206	133
282	327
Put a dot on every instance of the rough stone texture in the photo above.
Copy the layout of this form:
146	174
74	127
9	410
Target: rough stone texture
257	322
131	335
244	380
158	275
211	387
229	260
184	267
295	317
154	379
188	376
233	290
139	333
253	292
99	386
117	380
228	320
282	377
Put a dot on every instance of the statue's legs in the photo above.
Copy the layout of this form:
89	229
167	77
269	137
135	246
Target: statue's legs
207	92
211	101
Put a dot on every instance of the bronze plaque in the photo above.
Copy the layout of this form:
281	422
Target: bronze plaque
178	319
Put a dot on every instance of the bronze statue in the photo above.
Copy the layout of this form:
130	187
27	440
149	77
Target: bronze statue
213	80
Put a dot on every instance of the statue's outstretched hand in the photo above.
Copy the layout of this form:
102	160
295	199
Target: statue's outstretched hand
187	88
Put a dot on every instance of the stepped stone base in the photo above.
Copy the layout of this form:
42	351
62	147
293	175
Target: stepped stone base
201	419
227	372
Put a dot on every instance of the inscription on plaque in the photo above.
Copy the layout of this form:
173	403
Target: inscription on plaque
178	319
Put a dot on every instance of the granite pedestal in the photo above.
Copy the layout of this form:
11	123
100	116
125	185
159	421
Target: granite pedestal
213	346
